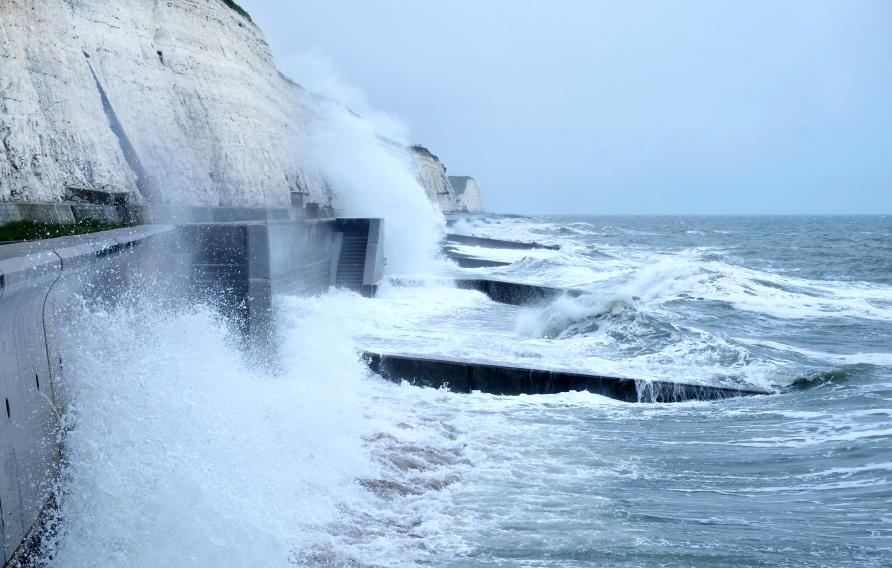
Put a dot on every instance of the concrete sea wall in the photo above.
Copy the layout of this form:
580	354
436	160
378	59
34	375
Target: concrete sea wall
465	377
237	267
37	283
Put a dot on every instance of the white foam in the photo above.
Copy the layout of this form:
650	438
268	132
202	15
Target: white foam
883	359
181	452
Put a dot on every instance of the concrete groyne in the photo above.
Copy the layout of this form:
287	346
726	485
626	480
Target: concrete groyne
468	261
514	293
495	243
465	377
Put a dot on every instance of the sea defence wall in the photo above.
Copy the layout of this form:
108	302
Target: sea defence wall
238	267
116	209
514	293
465	377
257	260
37	284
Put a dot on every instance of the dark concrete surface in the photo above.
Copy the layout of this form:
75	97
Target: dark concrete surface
495	243
465	377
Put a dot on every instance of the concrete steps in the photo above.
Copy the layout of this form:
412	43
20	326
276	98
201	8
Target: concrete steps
351	263
360	255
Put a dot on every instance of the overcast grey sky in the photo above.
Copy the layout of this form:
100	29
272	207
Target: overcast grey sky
590	107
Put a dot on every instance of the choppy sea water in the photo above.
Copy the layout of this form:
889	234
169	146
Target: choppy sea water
183	452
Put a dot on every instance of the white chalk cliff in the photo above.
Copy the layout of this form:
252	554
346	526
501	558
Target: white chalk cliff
178	99
431	174
175	102
467	194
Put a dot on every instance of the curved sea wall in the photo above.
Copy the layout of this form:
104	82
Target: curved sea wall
38	282
235	267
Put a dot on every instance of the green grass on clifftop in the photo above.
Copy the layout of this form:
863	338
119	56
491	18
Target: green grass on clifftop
31	231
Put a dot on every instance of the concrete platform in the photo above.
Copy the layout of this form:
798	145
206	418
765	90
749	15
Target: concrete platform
468	261
495	243
465	377
514	293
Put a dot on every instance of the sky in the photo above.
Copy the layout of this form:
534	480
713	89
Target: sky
632	107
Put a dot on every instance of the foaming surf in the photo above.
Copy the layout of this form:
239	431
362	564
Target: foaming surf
182	450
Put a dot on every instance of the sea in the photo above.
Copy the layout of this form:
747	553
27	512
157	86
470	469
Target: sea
180	450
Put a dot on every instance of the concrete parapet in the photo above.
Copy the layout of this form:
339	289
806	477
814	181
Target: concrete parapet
67	213
28	451
9	212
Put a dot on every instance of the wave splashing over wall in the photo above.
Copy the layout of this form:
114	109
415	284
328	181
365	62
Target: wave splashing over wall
178	451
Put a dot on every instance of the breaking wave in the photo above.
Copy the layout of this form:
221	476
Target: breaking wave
181	451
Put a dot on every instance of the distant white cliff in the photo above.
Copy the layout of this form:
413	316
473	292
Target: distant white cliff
175	102
431	173
467	194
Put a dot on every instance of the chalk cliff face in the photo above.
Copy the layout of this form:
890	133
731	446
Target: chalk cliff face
467	194
431	174
177	99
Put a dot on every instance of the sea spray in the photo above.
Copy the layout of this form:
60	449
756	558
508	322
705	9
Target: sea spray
373	177
567	315
553	481
362	154
179	451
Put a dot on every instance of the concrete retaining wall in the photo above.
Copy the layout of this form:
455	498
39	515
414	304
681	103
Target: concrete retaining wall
69	213
37	282
255	261
237	266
